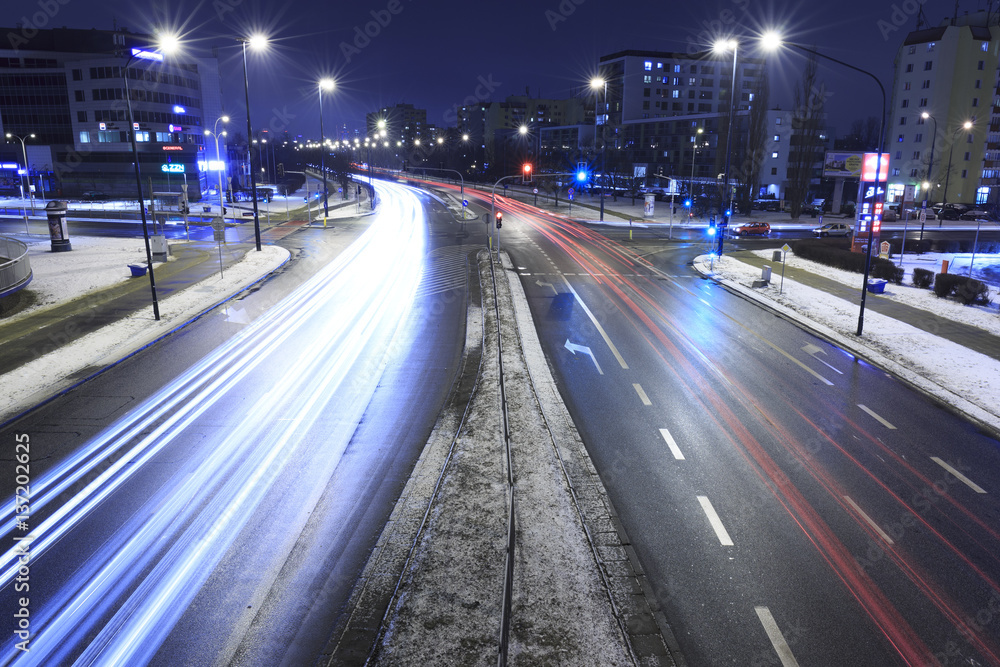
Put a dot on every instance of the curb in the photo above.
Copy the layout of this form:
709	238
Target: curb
925	386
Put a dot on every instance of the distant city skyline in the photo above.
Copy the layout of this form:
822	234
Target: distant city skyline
439	58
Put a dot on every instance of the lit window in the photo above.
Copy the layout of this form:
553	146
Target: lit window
659	65
777	137
930	46
774	154
777	121
648	66
84	137
985	46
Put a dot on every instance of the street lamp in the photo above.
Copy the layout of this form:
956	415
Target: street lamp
967	125
596	84
167	44
324	84
720	47
772	41
214	132
694	156
930	162
24	152
257	42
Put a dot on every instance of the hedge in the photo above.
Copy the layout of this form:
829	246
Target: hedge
967	290
839	255
923	278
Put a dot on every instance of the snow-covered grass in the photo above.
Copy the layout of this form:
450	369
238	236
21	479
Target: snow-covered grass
49	372
965	379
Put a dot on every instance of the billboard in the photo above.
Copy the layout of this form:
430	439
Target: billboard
843	165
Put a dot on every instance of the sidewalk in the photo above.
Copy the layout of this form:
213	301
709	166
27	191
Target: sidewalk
942	348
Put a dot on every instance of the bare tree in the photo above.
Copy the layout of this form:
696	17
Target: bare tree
804	143
863	135
748	176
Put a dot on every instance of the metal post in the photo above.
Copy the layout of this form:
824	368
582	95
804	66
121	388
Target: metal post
729	143
253	181
322	156
138	186
979	224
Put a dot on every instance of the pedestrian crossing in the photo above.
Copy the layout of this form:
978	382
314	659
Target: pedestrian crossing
445	269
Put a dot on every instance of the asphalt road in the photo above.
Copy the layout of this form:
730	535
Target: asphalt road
790	503
229	525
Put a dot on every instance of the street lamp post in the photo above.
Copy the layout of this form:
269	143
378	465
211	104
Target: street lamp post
324	84
719	48
167	45
596	84
773	41
214	132
24	152
694	155
967	125
256	41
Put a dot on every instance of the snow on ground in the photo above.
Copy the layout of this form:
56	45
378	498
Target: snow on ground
984	317
94	263
958	376
52	371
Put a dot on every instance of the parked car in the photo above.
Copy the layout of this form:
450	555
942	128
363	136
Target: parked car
767	204
833	229
93	195
889	214
950	211
977	214
752	229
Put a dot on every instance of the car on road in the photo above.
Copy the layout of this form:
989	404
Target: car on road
752	229
94	195
833	229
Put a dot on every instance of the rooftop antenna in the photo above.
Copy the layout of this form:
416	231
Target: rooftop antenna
954	18
921	19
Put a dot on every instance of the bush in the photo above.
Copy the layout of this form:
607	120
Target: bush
886	270
946	283
912	246
973	292
923	278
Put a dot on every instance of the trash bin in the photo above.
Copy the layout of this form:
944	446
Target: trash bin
876	286
776	256
58	231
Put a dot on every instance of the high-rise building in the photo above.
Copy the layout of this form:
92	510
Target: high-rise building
949	73
402	122
65	86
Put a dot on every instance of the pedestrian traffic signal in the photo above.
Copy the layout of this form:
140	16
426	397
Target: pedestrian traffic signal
499	219
711	226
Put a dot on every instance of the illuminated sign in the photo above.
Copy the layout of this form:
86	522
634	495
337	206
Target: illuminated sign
135	126
9	165
147	55
172	168
102	126
868	170
179	109
212	165
174	128
173	148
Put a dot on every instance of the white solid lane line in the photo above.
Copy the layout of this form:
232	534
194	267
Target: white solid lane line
716	522
674	449
962	478
869	520
642	394
777	639
597	325
880	419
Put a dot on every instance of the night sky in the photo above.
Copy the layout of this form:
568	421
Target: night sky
437	55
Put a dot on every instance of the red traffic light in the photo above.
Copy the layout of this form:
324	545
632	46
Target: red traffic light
527	168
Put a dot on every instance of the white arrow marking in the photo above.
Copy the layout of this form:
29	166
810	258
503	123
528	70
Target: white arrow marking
574	348
237	316
813	350
542	283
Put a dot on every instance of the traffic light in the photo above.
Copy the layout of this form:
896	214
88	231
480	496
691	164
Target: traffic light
711	226
687	203
526	171
281	170
499	219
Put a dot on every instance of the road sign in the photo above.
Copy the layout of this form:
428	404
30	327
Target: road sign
465	202
923	215
786	248
218	224
571	192
883	249
535	191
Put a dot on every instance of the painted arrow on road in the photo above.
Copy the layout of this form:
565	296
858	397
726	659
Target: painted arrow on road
237	316
813	351
542	283
574	348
